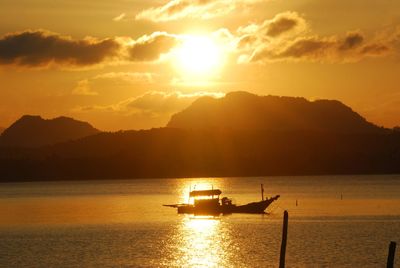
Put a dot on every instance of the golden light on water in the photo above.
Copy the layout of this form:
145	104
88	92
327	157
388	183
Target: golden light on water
201	240
201	245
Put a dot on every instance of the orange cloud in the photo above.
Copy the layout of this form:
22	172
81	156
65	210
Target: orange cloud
84	87
286	37
119	17
324	49
198	9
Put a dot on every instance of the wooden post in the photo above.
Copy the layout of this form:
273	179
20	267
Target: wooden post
284	239
390	259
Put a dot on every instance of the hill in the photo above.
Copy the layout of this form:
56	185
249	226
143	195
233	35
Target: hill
244	111
1	130
204	141
34	131
168	152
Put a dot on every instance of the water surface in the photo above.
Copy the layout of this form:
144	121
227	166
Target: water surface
339	221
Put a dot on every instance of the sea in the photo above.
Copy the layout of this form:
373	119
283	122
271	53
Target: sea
334	221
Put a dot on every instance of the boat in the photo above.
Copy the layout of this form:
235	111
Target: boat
208	202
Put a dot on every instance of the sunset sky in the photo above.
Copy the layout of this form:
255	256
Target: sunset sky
130	64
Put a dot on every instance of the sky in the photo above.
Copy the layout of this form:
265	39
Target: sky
131	64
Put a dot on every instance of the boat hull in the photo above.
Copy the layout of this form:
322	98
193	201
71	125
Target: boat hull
251	208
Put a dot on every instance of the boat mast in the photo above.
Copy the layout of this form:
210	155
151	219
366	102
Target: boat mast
262	192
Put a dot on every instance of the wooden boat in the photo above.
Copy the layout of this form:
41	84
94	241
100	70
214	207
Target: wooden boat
208	202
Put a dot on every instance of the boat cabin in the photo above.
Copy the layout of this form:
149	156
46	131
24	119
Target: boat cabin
205	201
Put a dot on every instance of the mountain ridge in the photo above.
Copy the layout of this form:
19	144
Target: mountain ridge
313	147
243	110
34	131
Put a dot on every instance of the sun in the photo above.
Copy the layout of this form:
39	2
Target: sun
198	56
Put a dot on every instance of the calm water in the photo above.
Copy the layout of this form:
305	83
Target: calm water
122	223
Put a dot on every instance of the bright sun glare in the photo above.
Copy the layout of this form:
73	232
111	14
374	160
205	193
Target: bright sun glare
199	56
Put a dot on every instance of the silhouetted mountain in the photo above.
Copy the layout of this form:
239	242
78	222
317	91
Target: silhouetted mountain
1	130
34	131
255	148
169	152
242	110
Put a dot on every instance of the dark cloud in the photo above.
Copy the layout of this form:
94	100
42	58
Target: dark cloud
308	47
375	49
149	48
311	48
333	49
40	48
351	41
286	37
281	25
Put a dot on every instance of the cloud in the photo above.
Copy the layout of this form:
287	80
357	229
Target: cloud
281	23
162	102
351	41
83	89
152	103
324	49
120	17
42	48
282	26
149	110
286	37
310	47
151	47
128	76
284	23
197	9
375	49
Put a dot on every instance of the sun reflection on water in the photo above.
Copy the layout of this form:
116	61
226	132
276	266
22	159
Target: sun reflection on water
199	241
202	242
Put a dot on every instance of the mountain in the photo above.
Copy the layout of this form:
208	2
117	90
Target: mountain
242	110
273	136
34	131
1	130
169	152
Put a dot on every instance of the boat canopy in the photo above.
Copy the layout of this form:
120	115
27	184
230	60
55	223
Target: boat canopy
205	193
